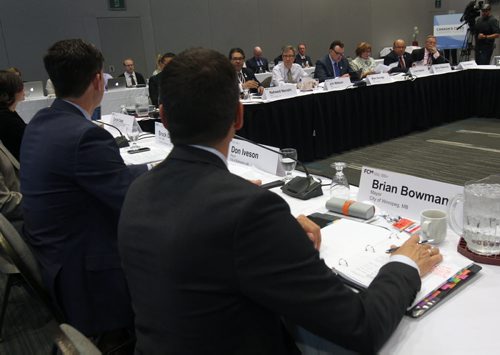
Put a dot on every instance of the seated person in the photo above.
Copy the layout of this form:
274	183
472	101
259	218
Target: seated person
278	60
246	77
398	54
10	193
364	64
11	124
251	264
132	77
428	55
153	84
301	58
258	64
334	65
287	71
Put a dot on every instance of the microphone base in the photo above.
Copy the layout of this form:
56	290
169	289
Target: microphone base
302	188
121	142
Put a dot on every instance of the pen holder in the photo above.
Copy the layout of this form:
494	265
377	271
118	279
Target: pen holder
350	208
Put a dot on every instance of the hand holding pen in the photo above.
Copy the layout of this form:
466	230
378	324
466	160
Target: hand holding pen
423	254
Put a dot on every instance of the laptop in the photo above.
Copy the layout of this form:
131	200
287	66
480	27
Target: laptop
33	90
117	83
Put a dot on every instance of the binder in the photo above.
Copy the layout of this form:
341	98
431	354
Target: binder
356	251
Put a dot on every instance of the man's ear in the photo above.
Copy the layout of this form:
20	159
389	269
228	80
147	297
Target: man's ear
238	121
163	117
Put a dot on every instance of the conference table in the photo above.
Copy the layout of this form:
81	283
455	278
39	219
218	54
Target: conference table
323	123
111	102
462	324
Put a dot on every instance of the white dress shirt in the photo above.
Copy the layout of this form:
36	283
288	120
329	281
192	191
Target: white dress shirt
280	73
129	81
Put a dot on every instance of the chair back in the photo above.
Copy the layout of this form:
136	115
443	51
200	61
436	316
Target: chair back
71	342
22	257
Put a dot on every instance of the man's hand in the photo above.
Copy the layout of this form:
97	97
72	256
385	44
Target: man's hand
260	90
425	256
312	229
250	84
257	182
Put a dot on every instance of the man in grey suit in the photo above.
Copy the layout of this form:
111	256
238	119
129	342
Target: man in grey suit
214	262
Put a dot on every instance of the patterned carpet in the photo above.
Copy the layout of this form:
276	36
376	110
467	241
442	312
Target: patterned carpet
454	153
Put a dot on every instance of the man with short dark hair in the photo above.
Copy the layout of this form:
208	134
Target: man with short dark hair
154	81
246	77
132	77
74	180
334	64
214	262
486	30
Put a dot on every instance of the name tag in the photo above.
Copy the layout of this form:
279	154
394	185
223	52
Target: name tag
162	135
441	68
280	92
376	79
337	84
249	154
471	64
404	195
124	122
420	71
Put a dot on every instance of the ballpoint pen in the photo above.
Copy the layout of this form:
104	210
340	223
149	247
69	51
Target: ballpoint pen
392	250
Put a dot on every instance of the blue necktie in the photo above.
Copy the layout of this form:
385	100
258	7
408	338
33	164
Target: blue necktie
336	70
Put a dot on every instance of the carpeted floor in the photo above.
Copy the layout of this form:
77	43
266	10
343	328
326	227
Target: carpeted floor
454	153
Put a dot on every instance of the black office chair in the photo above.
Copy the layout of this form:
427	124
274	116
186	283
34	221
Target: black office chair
20	266
70	341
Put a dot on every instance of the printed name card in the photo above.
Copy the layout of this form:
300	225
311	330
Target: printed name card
471	64
375	79
441	68
280	92
404	195
337	84
162	135
420	71
249	154
124	122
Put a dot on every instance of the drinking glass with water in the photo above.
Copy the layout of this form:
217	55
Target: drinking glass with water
339	187
288	161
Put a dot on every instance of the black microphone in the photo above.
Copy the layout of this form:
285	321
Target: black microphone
121	141
300	187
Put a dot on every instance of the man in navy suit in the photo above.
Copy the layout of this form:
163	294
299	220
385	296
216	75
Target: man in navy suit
334	64
399	55
258	64
214	263
74	181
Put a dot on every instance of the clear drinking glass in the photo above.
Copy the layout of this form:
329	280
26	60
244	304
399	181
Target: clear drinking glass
142	106
339	187
288	161
133	135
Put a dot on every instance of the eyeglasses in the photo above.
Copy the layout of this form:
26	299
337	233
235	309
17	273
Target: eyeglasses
338	53
288	55
237	59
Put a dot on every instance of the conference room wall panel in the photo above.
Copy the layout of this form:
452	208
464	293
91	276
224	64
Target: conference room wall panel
4	62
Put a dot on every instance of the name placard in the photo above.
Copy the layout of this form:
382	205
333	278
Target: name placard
441	68
124	122
280	92
337	84
382	78
249	154
404	195
162	135
420	71
471	64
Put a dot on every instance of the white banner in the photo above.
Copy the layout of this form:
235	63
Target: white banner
404	195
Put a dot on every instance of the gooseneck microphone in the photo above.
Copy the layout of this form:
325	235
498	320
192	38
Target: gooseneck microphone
121	141
300	187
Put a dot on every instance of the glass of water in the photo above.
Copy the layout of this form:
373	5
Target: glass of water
288	161
340	186
133	136
142	106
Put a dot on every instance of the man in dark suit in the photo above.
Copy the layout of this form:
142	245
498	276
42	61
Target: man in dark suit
214	262
302	58
334	64
154	81
258	64
399	55
132	77
246	77
429	55
74	180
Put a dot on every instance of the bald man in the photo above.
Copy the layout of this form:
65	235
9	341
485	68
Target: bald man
398	54
258	63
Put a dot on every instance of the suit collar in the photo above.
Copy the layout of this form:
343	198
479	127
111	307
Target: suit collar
193	154
62	105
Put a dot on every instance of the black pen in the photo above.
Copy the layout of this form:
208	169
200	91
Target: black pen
392	250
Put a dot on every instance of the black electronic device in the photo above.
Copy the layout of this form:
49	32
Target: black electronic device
138	150
322	219
299	187
272	184
121	140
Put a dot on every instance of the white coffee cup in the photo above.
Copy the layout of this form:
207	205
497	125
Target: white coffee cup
433	225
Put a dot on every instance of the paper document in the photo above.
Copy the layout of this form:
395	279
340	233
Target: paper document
381	68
